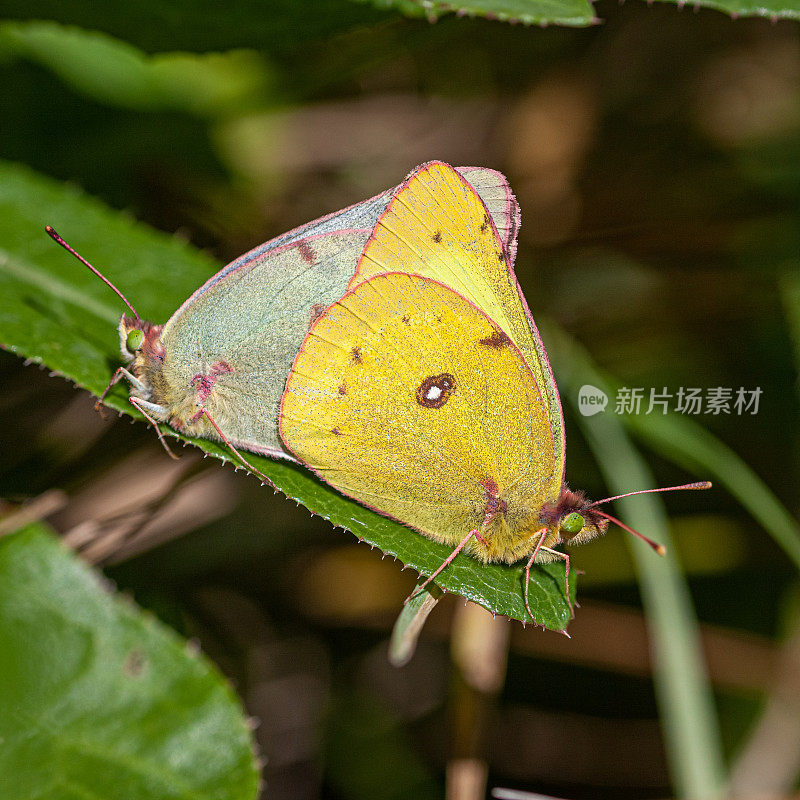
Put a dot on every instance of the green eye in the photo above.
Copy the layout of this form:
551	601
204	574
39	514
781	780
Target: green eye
134	340
572	523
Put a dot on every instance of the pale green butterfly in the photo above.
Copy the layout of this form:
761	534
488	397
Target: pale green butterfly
218	367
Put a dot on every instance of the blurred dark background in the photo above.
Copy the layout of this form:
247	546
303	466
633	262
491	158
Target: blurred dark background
655	158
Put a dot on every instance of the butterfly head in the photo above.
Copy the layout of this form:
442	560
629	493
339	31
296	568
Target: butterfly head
572	518
140	343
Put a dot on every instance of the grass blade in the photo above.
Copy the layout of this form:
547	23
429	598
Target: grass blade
685	700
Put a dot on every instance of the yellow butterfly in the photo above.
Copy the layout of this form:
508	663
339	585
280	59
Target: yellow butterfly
425	392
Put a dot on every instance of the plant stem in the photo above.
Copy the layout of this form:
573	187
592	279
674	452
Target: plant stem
479	650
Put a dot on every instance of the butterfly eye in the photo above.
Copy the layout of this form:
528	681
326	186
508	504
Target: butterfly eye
133	341
572	523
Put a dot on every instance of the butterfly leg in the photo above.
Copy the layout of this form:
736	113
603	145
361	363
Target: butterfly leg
542	534
115	378
238	454
136	403
459	547
566	577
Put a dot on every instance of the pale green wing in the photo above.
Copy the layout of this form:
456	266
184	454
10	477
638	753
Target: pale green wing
242	334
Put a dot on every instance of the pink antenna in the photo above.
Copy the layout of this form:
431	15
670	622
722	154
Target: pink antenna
659	548
698	485
51	232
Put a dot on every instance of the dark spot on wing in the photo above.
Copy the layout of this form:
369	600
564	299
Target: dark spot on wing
317	310
355	355
501	256
437	237
203	384
494	505
405	319
435	391
491	486
497	341
306	252
485	223
221	368
336	432
343	388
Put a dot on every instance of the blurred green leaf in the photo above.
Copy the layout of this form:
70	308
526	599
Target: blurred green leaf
686	702
790	293
98	699
688	444
117	74
203	25
53	311
200	25
684	442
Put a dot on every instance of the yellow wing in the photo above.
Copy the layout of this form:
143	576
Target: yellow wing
406	397
437	226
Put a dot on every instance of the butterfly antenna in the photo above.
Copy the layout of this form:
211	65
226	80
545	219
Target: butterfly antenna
51	232
698	485
659	548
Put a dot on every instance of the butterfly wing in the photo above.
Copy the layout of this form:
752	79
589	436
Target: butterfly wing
437	226
493	189
251	317
241	335
401	399
491	186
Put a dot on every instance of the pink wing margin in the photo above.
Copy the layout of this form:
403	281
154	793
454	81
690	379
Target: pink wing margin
507	232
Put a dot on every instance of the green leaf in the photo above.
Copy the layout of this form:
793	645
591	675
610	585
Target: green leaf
775	9
574	13
201	25
98	700
55	312
205	26
410	622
